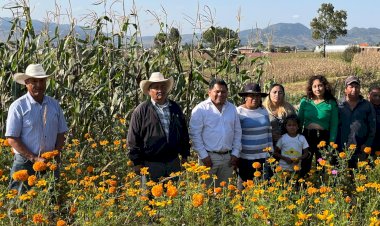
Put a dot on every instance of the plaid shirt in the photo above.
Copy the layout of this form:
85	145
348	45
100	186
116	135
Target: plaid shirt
164	115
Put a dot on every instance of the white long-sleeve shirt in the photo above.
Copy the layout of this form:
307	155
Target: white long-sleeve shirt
212	130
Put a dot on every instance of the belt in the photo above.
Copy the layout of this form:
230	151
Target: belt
220	152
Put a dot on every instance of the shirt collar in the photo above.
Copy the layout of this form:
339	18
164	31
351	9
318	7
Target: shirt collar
166	104
208	101
33	101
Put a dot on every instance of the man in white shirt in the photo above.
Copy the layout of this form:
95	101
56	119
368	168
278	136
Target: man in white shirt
216	132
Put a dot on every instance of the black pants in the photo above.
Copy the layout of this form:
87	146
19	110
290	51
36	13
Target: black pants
313	137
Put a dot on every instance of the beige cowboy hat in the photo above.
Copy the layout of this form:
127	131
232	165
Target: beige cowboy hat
32	71
156	77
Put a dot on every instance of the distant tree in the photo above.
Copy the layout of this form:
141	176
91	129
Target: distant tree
174	35
160	39
329	24
350	52
218	35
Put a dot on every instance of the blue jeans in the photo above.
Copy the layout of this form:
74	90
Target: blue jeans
22	163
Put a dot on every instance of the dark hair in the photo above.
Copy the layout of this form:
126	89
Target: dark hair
373	88
276	84
328	95
293	118
217	81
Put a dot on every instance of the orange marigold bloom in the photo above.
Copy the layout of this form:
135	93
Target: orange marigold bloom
90	169
53	167
278	169
50	154
217	190
352	146
157	190
223	184
61	223
39	166
32	180
197	200
256	165
296	167
112	190
367	150
257	174
21	175
171	191
342	155
333	145
322	144
38	218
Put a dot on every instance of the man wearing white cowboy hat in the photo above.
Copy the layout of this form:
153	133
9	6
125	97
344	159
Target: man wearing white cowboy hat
158	132
35	123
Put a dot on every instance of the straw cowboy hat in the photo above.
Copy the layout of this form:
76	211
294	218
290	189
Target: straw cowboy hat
32	71
252	88
156	77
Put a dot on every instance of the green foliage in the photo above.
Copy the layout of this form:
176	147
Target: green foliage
349	53
218	35
329	24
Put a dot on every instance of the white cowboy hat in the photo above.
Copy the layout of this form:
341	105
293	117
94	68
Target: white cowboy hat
156	77
32	71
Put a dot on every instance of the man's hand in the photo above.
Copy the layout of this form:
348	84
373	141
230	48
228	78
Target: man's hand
207	161
137	169
234	161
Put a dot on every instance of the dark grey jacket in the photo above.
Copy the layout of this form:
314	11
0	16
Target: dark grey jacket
357	126
147	139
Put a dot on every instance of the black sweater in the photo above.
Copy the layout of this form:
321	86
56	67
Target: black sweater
147	139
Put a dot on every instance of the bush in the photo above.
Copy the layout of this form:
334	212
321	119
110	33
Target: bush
349	53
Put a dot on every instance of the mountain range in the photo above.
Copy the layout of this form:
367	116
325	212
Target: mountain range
281	34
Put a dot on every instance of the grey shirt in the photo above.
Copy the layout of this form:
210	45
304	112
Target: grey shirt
357	126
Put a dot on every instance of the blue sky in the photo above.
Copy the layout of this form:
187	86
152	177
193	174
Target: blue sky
223	13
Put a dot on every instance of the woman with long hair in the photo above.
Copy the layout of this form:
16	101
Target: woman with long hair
318	114
278	109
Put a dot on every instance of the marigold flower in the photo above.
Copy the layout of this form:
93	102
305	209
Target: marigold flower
50	154
278	169
333	145
112	190
90	169
61	223
352	146
321	161
322	144
21	175
257	174
256	165
39	166
342	155
217	190
239	207
367	150
38	218
103	142
296	168
171	191
197	199
144	171
32	180
303	216
157	190
53	167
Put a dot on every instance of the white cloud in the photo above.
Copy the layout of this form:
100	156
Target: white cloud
296	16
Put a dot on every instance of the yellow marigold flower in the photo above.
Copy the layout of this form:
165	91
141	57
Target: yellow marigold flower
18	211
61	223
367	150
291	207
32	180
362	164
39	166
267	149
377	161
197	199
296	168
352	146
303	216
271	160
342	155
103	142
38	218
144	171
256	165
171	191
239	207
129	163
139	214
360	189
94	145
322	144
157	190
41	183
53	167
205	176
257	174
21	175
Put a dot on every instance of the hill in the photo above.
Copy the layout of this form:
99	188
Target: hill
281	34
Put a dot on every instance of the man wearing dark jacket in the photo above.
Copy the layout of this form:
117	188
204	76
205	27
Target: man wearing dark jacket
158	131
357	121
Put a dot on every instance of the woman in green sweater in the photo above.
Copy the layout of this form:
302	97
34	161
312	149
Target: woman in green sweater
318	113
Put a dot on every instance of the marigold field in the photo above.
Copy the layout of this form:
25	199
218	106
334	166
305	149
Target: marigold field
98	187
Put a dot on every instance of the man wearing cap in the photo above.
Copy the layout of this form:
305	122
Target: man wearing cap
158	131
35	123
357	121
216	132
